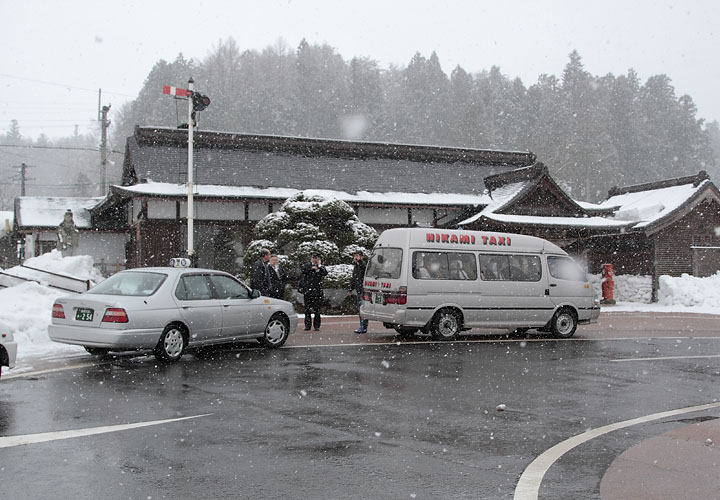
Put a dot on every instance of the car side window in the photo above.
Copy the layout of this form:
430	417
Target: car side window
193	287
564	268
228	288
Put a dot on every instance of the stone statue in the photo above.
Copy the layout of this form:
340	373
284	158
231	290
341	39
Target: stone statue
67	235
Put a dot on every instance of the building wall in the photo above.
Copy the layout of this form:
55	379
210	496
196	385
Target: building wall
674	252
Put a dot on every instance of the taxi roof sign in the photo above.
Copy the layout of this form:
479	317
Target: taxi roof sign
180	262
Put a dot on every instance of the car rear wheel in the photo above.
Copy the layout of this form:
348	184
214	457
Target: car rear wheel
97	351
276	332
445	325
564	323
171	345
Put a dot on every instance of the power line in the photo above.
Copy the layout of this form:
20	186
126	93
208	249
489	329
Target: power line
57	84
34	146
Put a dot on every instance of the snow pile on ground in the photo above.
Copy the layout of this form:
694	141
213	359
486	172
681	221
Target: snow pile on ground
689	291
627	288
26	309
79	266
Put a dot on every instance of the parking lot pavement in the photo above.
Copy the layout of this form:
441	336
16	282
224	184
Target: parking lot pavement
683	463
339	330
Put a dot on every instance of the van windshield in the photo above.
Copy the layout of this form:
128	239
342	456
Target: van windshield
385	263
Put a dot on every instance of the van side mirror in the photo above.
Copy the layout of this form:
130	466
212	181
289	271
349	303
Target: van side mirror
255	294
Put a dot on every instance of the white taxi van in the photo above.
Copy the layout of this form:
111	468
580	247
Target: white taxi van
445	281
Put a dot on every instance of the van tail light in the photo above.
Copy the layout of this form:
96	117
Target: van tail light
366	295
399	297
113	315
58	311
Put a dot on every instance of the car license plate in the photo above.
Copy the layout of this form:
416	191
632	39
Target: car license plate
379	298
82	314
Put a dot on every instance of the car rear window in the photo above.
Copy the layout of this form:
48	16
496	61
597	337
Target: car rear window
131	283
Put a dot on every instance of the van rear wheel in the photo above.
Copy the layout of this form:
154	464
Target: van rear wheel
445	325
564	323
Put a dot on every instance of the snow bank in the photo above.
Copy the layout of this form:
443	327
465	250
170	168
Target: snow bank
628	288
689	291
79	266
26	309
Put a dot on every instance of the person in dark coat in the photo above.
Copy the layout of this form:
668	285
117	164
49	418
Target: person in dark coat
356	285
277	278
260	277
313	273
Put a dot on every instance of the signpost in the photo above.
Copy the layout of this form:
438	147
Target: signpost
196	102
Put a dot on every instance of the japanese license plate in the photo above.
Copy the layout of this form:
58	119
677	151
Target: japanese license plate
378	298
82	314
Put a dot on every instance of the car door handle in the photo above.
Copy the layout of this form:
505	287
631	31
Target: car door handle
553	284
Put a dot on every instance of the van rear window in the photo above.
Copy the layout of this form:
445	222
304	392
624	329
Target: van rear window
385	263
444	266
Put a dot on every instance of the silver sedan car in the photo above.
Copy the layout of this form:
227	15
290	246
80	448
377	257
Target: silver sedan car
166	309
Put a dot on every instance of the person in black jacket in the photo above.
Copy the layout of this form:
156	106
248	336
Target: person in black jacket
277	278
313	273
260	277
356	285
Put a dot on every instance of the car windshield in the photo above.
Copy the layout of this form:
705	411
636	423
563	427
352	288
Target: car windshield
132	283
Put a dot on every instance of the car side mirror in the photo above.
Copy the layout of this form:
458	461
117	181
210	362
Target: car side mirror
255	294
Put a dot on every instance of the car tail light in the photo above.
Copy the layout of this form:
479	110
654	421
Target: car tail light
113	315
366	295
58	311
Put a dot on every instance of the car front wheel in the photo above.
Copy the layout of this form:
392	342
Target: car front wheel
276	332
171	345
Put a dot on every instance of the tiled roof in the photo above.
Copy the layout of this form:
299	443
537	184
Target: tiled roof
160	155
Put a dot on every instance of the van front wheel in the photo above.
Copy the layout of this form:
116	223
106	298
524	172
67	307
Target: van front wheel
445	325
563	324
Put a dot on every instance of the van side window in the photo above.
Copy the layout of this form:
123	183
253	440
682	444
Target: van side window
494	267
564	268
525	268
444	266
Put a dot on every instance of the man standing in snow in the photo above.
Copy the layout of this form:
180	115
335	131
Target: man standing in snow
260	277
277	278
356	284
313	273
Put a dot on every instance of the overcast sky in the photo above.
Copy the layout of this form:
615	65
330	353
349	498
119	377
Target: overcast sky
55	55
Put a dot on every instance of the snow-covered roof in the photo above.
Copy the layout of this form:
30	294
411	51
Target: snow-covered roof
500	198
645	207
210	191
554	221
42	211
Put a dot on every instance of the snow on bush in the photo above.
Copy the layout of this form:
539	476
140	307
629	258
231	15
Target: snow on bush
338	276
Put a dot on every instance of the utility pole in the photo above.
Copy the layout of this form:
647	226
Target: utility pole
23	178
104	125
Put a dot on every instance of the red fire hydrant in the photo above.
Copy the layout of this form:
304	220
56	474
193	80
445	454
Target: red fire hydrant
607	284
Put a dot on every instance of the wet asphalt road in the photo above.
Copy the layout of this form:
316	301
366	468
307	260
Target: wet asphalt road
377	419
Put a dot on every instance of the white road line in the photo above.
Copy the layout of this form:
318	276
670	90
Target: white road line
660	358
528	485
10	441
